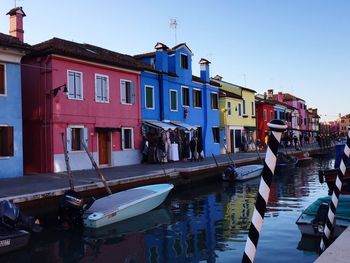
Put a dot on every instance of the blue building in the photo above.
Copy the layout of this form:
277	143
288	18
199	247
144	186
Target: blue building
172	98
11	154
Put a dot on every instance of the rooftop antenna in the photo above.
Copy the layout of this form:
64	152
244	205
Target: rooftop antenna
16	2
173	24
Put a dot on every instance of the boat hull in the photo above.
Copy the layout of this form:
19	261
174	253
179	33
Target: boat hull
11	240
248	172
304	161
155	196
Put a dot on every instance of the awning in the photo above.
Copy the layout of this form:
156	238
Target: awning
162	125
184	125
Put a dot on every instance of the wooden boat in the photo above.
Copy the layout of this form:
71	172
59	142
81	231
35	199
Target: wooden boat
242	173
304	161
126	204
285	162
12	239
312	220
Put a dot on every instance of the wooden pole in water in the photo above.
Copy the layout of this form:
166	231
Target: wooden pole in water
277	127
229	157
335	196
215	160
66	159
96	168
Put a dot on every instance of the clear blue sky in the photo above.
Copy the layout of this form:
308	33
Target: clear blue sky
296	46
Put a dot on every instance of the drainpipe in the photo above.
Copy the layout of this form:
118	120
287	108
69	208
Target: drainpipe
161	99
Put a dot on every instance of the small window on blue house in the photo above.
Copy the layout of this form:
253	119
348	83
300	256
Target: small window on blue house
216	134
173	100
197	98
185	96
149	97
184	61
2	79
214	101
6	141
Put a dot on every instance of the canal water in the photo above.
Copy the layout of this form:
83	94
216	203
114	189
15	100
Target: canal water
201	223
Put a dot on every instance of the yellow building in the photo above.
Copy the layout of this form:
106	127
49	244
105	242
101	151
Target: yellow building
237	117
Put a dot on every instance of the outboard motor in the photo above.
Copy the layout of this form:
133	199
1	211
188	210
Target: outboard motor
230	172
71	210
12	218
318	223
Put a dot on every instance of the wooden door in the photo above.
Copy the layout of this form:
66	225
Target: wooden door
103	148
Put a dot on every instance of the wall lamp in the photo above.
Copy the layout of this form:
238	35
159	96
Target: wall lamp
55	90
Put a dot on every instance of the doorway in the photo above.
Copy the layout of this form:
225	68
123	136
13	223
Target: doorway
104	146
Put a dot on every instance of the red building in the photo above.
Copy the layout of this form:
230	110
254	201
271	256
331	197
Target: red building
264	114
89	94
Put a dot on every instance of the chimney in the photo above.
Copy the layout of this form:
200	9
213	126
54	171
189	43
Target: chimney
218	77
270	94
16	22
280	97
204	67
161	57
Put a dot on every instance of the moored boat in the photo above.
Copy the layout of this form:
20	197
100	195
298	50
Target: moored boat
125	204
12	239
304	161
242	173
285	162
312	220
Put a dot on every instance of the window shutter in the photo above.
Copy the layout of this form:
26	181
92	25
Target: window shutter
69	139
123	92
10	141
132	92
86	137
78	85
122	138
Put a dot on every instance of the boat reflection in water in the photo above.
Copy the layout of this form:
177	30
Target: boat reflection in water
206	222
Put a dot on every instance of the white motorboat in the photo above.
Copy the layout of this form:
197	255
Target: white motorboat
312	220
126	204
243	173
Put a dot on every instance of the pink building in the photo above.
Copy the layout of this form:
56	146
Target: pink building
87	93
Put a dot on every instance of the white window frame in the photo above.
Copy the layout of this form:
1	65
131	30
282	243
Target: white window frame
200	91
253	108
107	78
153	101
123	139
239	110
217	100
69	143
189	100
177	100
186	55
5	81
81	85
216	127
10	156
121	92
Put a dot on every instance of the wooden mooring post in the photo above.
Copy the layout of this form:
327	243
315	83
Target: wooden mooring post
325	241
277	127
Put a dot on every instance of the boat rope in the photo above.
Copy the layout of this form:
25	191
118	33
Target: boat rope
325	241
277	127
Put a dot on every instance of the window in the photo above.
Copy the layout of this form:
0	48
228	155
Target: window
253	108
75	135
6	141
184	61
216	134
2	80
75	84
197	98
271	115
102	89
239	109
127	91
149	97
173	100
185	96
229	109
127	138
214	101
276	117
265	115
244	112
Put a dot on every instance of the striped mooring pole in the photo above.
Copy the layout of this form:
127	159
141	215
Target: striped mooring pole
277	127
325	241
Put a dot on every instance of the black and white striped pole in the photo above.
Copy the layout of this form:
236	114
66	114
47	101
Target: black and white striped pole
335	196
277	127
